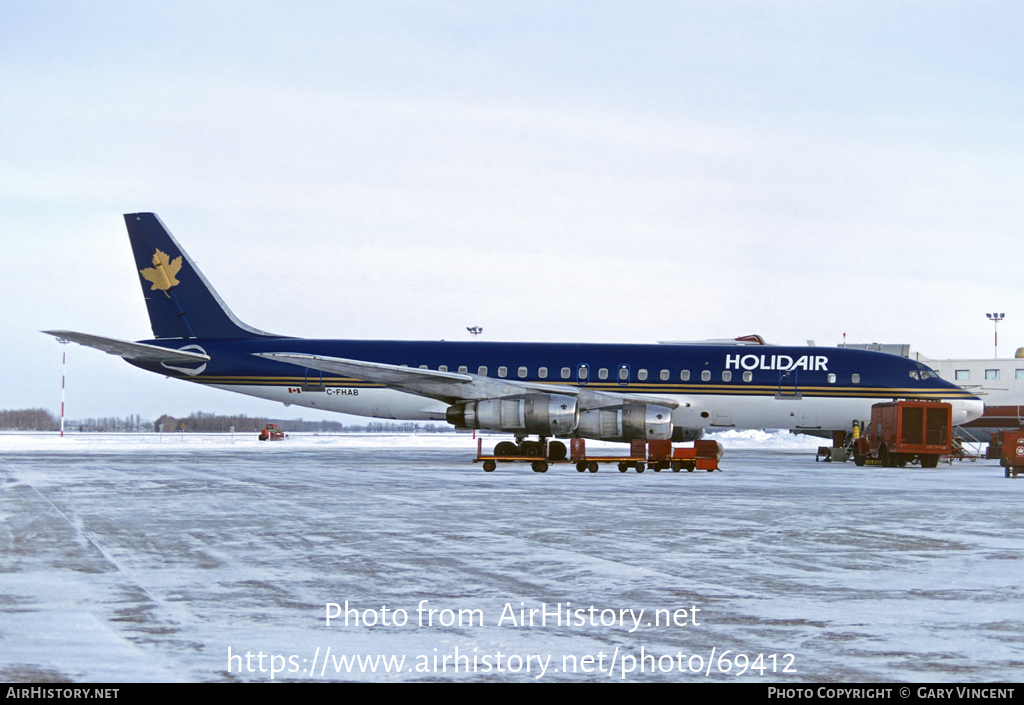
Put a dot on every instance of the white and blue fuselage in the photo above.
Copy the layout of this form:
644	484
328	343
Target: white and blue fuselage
603	391
715	386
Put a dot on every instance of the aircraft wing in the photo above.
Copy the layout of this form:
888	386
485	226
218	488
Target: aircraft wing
128	350
453	387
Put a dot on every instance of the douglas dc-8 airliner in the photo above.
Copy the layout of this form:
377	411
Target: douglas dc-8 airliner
614	392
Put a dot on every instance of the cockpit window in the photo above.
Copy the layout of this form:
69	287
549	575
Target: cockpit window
913	374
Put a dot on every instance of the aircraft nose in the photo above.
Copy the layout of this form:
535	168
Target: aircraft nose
966	410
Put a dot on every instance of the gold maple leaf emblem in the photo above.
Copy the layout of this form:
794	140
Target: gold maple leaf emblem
161	274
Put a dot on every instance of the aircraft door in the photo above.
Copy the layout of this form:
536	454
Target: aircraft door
313	381
789	385
722	418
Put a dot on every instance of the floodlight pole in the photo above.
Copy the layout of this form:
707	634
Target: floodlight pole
995	318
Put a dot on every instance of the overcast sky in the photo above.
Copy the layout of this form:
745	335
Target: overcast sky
570	171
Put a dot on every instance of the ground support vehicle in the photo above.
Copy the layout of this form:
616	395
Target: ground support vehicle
271	432
1008	446
540	454
903	431
658	455
703	456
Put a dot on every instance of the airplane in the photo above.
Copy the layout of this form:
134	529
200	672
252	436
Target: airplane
612	392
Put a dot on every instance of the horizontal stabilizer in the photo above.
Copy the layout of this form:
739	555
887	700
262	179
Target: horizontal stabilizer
128	350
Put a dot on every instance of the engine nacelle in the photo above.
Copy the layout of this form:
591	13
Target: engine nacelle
629	422
544	414
686	435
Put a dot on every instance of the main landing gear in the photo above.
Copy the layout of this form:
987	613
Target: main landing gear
522	448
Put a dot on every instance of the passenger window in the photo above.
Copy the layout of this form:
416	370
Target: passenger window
748	375
443	368
856	378
727	376
463	369
684	375
542	373
665	374
641	375
705	375
566	372
482	370
831	378
602	373
502	371
623	373
423	367
522	373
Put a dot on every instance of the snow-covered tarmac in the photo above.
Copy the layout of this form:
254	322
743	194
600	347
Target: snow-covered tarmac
146	558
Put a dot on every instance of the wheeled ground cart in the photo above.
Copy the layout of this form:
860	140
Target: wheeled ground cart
658	455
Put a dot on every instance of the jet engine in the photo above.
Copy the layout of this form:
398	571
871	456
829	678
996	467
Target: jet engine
628	422
544	414
681	434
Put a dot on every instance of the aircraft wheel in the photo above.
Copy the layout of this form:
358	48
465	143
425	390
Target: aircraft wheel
540	466
489	465
640	467
531	450
623	467
557	450
592	467
581	467
506	448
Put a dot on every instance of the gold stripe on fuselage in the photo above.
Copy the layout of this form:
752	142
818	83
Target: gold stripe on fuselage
632	388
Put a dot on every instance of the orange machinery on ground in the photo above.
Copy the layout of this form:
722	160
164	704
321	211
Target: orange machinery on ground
903	431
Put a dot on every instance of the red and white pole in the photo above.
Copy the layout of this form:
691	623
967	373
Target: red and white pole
63	374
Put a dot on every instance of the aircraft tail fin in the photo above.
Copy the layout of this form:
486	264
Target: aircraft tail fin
180	300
